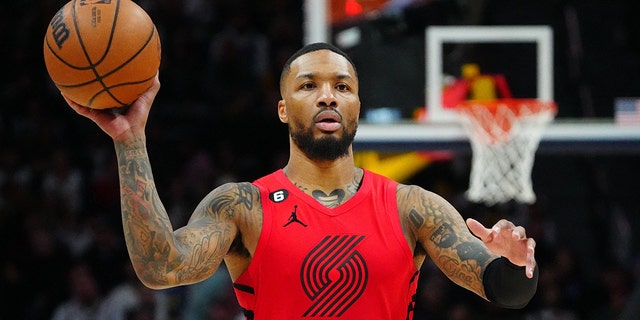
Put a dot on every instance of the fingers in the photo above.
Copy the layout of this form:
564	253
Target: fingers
78	108
503	224
521	250
142	106
478	229
92	114
150	95
531	260
517	232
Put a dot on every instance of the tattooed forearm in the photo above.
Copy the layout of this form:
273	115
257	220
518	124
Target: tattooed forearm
133	150
163	257
473	251
147	229
444	237
462	273
461	256
138	152
440	229
138	190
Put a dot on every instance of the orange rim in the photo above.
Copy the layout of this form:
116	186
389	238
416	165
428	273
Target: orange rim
497	123
516	105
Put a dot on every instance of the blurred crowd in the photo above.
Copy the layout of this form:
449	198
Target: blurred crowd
60	230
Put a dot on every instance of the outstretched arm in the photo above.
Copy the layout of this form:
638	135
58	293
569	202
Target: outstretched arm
161	257
436	226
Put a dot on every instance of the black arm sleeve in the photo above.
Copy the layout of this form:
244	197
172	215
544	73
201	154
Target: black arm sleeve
507	285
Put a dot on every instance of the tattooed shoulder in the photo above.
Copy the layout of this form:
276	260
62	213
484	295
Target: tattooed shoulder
232	198
421	207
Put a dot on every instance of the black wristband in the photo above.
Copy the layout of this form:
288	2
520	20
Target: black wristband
507	285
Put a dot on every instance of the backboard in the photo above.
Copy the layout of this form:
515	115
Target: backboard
438	36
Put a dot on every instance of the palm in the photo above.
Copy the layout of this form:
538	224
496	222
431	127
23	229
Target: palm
118	122
507	240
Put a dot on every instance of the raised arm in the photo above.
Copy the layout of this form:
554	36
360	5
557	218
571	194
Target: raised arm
161	257
494	270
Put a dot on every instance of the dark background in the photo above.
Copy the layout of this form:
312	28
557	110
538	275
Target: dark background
215	120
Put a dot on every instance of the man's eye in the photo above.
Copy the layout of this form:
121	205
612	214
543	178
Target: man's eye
342	87
308	85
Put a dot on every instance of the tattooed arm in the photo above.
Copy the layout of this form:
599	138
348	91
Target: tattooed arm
161	257
435	226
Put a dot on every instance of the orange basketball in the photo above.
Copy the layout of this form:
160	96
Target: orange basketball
102	53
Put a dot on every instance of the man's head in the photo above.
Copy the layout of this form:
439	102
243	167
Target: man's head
320	103
310	48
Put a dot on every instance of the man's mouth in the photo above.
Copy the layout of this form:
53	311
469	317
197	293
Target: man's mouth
328	120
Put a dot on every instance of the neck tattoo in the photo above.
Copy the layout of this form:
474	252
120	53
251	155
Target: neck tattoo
337	196
330	200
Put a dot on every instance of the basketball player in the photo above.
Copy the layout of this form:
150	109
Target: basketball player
319	237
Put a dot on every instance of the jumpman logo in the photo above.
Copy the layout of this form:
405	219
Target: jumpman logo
294	218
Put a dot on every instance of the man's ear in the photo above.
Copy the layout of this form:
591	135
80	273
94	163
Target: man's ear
282	111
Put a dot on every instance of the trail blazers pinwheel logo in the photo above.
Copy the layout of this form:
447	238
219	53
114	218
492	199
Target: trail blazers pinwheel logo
333	275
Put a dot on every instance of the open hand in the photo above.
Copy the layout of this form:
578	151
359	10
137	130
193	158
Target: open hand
507	240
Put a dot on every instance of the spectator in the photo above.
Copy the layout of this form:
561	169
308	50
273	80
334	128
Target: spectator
85	296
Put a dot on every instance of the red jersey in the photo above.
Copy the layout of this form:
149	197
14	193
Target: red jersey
313	262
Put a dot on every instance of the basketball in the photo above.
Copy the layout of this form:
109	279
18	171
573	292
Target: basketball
102	53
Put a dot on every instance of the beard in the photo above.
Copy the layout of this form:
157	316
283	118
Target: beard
324	148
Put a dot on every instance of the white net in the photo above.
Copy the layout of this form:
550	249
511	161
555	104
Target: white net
504	139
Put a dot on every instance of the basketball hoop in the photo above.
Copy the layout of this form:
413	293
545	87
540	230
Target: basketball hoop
504	136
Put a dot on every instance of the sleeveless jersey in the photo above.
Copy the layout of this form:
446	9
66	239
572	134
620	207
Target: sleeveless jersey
313	262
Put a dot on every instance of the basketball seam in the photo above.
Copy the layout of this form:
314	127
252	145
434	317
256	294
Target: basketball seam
108	88
99	78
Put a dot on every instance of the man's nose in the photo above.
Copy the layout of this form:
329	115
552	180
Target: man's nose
327	97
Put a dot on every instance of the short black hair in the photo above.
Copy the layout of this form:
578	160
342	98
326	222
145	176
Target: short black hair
314	47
